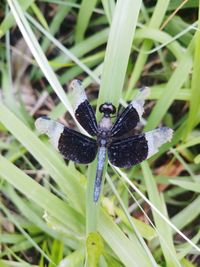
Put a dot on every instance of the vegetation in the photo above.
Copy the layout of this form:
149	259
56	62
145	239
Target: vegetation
148	215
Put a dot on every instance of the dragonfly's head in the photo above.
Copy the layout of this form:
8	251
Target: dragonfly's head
107	109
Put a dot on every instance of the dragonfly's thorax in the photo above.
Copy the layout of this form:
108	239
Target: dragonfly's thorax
105	123
104	129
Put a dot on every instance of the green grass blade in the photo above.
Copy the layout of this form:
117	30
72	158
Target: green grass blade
61	13
24	245
137	236
84	47
190	186
8	263
38	53
195	92
40	195
118	50
163	38
186	248
163	228
85	12
188	214
109	7
65	51
39	16
30	214
155	22
175	228
9	20
173	86
75	259
130	253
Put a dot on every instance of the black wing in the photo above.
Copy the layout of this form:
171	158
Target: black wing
132	114
71	144
127	152
84	113
130	151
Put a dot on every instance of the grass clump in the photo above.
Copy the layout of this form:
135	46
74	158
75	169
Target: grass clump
47	214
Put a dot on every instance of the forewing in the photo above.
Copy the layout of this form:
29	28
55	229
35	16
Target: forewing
71	144
132	114
130	151
84	113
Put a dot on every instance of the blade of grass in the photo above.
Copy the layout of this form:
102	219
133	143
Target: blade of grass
38	53
9	263
65	51
163	38
127	180
85	12
188	214
163	228
75	259
86	46
128	252
174	4
27	212
186	248
118	50
32	190
137	236
155	22
39	16
174	38
109	7
71	4
61	13
173	86
195	92
32	242
190	186
9	20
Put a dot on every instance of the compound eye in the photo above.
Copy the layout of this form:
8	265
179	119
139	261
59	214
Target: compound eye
113	110
101	108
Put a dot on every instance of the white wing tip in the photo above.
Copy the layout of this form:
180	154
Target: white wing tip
143	93
51	128
157	138
168	132
138	102
77	92
75	84
42	124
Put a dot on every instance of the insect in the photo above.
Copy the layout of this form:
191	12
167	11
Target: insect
107	137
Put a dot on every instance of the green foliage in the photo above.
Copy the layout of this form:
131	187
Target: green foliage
47	214
95	248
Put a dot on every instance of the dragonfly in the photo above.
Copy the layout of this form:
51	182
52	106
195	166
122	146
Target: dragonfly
105	138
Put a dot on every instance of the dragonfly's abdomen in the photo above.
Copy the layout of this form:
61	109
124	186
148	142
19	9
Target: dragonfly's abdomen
101	158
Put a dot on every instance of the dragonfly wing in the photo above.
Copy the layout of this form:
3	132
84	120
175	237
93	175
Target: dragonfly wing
71	144
132	114
130	151
157	138
84	113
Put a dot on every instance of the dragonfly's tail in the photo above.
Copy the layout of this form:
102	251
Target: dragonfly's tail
100	166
